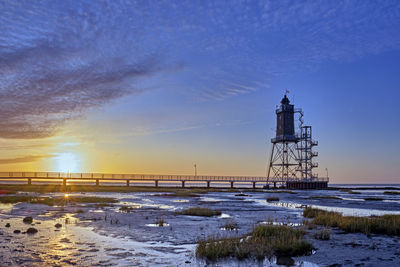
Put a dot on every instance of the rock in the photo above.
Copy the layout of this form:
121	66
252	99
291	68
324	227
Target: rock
288	261
188	262
8	224
28	220
17	231
58	225
31	230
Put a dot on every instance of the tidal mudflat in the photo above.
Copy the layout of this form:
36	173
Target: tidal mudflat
164	227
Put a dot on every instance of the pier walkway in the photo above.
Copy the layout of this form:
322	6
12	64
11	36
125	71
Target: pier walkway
155	179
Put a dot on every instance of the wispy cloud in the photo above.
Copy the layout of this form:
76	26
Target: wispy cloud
60	58
57	61
25	159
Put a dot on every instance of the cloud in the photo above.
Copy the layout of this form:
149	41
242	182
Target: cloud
56	62
60	58
25	159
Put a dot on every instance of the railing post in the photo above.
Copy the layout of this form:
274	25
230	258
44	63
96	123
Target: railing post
127	183
29	181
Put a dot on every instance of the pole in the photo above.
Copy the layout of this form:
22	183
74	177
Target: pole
195	170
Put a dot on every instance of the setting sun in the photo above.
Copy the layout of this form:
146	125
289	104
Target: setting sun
67	162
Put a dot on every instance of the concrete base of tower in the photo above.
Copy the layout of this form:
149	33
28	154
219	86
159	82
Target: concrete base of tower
306	185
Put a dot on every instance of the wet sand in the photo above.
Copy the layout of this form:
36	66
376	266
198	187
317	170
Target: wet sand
94	236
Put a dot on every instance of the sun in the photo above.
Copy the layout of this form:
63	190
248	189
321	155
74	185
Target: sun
67	162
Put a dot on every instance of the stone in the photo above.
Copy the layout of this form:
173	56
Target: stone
28	220
31	230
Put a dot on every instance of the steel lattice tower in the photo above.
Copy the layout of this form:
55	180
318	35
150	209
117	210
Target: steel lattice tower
285	161
292	156
305	146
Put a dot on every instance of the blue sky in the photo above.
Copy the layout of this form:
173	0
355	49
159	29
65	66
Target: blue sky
154	86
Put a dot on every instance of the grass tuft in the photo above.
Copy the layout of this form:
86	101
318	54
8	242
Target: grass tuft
230	225
264	241
199	211
323	197
281	191
160	222
324	234
386	224
392	192
373	199
272	199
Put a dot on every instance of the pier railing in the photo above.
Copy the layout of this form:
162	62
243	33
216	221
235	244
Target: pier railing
156	178
109	176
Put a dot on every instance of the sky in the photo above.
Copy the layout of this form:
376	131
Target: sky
158	86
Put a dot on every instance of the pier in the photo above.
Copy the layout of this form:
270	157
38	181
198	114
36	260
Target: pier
158	180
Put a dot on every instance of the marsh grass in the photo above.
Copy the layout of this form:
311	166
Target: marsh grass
392	192
128	209
281	192
92	200
55	201
386	224
324	234
160	222
199	211
190	193
323	197
354	192
373	199
263	241
230	225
